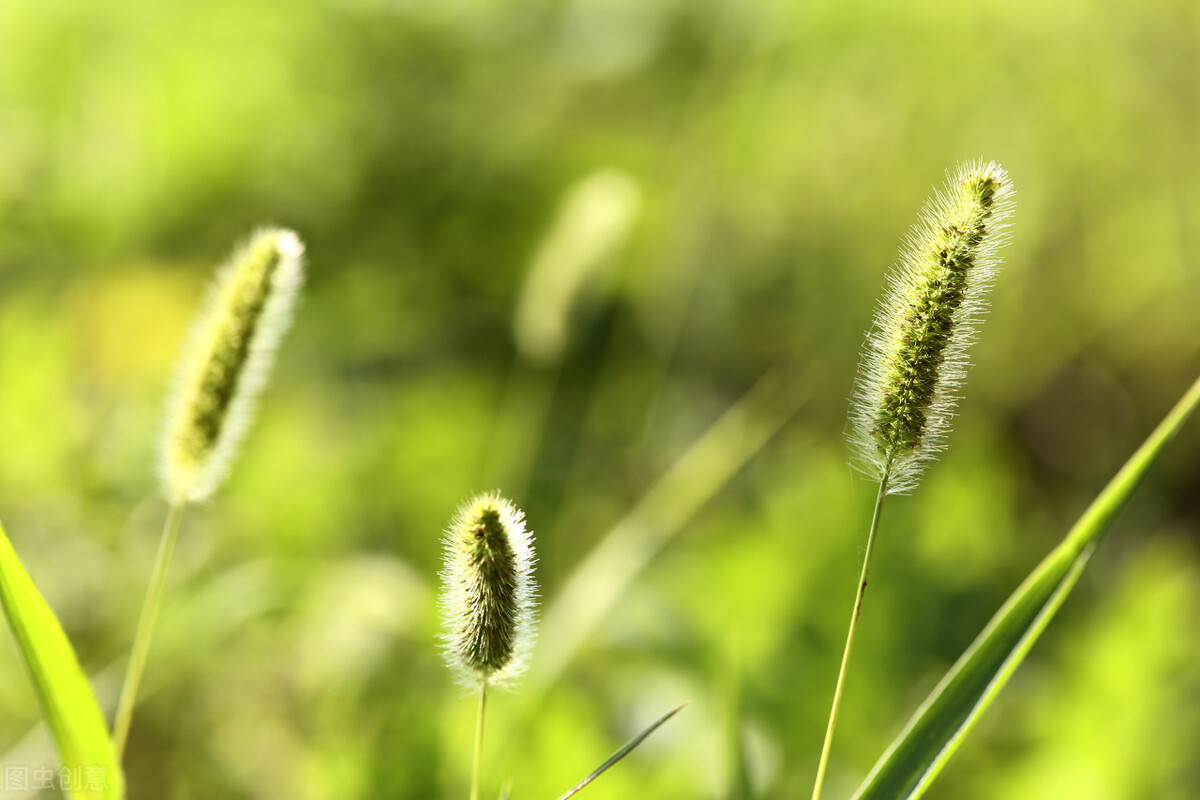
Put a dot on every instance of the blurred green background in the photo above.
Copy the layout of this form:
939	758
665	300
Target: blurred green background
554	249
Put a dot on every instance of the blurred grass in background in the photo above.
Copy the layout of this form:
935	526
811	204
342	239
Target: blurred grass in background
762	160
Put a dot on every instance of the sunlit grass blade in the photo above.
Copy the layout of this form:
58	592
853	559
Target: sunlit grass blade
625	750
68	704
741	783
933	734
598	583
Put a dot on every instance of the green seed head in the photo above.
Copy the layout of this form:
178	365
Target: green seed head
226	362
916	352
488	591
594	220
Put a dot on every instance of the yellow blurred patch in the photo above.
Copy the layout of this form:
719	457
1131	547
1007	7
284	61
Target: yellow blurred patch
127	324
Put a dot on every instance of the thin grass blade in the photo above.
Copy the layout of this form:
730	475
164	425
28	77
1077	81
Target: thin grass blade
933	734
597	584
68	704
625	750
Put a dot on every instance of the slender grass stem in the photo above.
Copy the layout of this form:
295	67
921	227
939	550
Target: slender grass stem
858	600
145	628
478	741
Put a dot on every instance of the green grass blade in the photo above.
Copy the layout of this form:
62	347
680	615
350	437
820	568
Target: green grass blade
933	734
625	750
597	584
68	704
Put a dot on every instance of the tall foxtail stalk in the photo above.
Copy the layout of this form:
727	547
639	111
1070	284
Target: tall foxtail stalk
224	366
916	353
488	600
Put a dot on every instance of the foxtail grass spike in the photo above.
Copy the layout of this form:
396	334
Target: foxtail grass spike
226	362
594	220
916	353
488	591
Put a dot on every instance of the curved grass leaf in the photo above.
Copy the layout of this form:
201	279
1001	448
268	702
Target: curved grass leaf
68	704
933	734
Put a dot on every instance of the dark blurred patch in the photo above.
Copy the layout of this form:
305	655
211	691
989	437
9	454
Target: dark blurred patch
1081	425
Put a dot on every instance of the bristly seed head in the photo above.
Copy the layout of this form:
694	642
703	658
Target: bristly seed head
488	591
226	362
915	355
